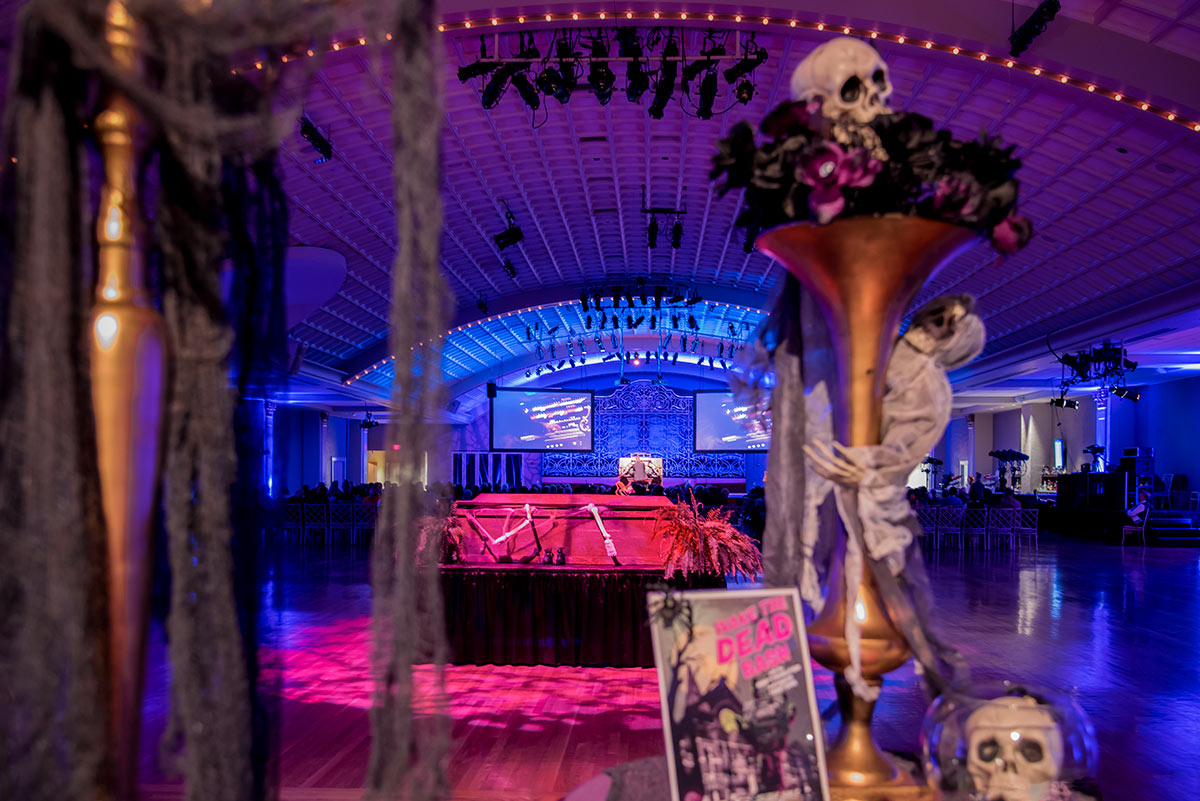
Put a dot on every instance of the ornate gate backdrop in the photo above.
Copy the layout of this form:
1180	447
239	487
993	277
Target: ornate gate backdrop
643	417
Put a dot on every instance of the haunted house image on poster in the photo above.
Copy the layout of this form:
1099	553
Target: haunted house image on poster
739	713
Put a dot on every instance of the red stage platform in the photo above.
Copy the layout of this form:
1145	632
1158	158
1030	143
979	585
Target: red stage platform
505	528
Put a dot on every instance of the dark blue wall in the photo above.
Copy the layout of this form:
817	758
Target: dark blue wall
297	448
1167	419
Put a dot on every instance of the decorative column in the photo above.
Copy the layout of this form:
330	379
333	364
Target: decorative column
970	449
362	456
323	450
128	368
1103	425
268	449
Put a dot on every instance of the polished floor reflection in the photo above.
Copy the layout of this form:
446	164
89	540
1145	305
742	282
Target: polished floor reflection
1119	629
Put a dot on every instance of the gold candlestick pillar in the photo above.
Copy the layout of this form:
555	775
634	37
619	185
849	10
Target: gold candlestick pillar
863	273
128	365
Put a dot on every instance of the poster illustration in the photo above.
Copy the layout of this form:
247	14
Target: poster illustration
739	712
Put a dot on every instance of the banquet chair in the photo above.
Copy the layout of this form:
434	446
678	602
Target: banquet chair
365	515
1000	525
289	520
927	517
950	524
316	521
1164	494
1138	530
341	521
974	526
1026	525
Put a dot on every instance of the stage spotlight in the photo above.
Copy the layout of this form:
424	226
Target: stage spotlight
552	330
588	321
599	343
1078	362
744	92
667	73
721	349
477	70
692	324
553	83
674	320
754	58
540	352
562	364
708	95
629	321
617	292
638	321
637	82
496	86
572	362
604	319
1064	403
613	339
674	358
723	365
732	330
600	75
529	374
695	343
1127	393
683	341
526	91
583	299
509	269
653	322
651	234
676	237
1127	364
659	291
597	300
710	362
582	349
481	304
512	234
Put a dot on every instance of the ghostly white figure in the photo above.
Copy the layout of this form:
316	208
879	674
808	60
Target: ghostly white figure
1014	749
848	78
945	333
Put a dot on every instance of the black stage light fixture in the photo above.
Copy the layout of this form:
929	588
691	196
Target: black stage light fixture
477	70
675	358
528	334
723	365
708	95
629	321
653	322
683	341
599	342
588	321
562	364
526	90
497	85
667	342
572	362
692	322
549	368
552	83
604	319
754	58
617	293
613	338
511	235
637	82
677	234
695	343
659	291
597	300
667	73
540	354
744	92
1020	39
674	320
582	349
315	138
368	422
552	330
732	330
1078	362
509	269
529	374
638	321
583	299
721	349
481	304
1064	403
1127	393
652	234
1127	364
710	362
600	75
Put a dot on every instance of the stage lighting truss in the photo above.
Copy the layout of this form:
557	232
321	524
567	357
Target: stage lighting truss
1106	365
654	62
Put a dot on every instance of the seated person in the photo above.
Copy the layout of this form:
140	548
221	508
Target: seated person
976	492
1008	500
951	498
624	486
1138	512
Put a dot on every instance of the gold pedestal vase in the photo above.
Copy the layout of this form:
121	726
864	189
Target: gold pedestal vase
863	273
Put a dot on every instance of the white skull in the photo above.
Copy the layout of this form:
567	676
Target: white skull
1014	750
848	77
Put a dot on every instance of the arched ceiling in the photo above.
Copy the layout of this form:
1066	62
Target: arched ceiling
1112	191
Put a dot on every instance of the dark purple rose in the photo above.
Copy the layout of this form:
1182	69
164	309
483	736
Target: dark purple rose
1012	234
957	197
827	168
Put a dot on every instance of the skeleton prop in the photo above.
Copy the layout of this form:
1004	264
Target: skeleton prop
1014	750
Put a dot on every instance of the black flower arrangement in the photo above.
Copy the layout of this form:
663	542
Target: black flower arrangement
809	168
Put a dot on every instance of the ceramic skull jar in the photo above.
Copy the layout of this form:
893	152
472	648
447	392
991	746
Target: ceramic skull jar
1015	749
849	79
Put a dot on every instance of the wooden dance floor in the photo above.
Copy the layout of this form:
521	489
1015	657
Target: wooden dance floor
1116	628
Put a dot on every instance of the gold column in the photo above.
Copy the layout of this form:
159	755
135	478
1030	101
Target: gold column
863	273
129	352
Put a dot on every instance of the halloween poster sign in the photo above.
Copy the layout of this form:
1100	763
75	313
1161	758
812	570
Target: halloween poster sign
739	712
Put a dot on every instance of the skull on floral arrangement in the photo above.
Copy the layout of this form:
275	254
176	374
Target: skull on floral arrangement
1014	749
848	78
